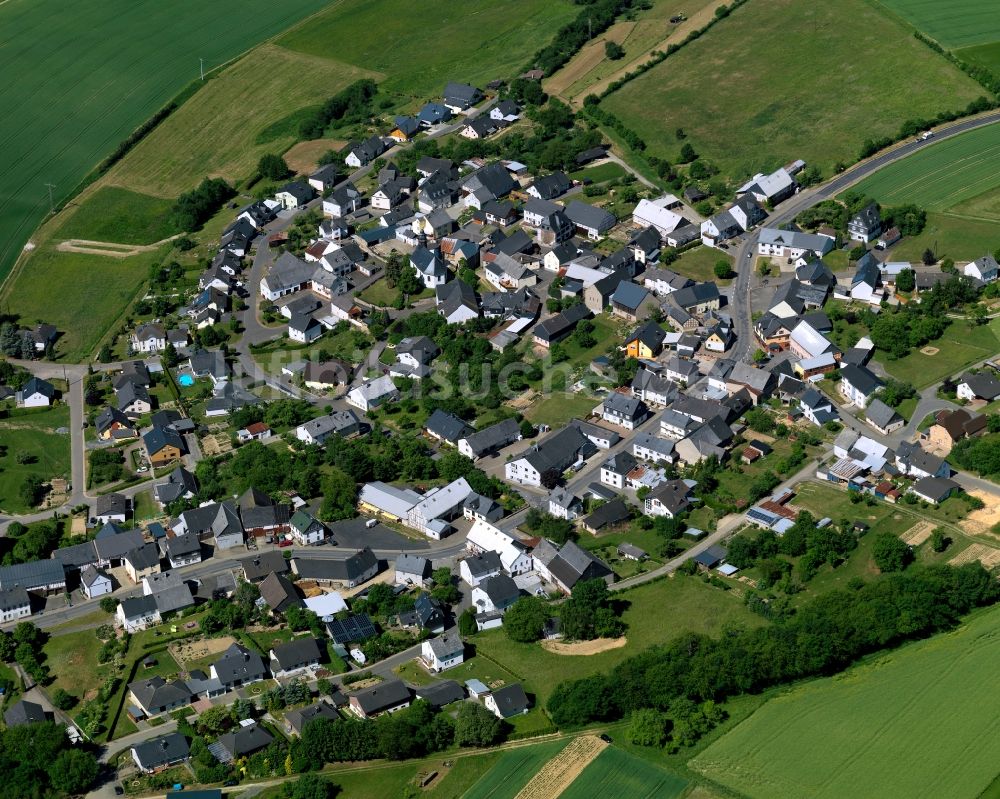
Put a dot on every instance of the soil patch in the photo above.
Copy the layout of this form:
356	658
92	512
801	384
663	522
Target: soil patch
594	647
304	156
983	520
917	534
930	351
986	555
185	652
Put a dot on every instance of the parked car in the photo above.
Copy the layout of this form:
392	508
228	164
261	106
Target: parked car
284	542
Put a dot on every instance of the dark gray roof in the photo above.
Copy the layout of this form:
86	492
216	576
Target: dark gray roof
442	693
589	216
493	437
861	379
181	545
297	653
611	512
279	593
501	589
511	700
935	488
239	663
161	751
245	741
559	450
24	712
342	569
36	574
880	414
156	692
144	557
262	564
384	696
485	563
695	295
320	710
446	425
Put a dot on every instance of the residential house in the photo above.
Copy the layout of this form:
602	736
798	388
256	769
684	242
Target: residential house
437	507
985	269
646	341
623	410
94	583
552	456
490	440
443	652
412	569
952	426
36	393
183	550
589	219
137	613
792	244
296	720
323	178
495	594
615	469
294	195
480	567
773	188
162	752
262	564
318	430
858	385
216	520
866	225
113	425
15	604
460	96
306	529
816	407
548	187
883	418
978	386
572	564
237	667
112	508
373	393
385	697
241	742
564	505
698	299
508	701
24	712
914	461
556	328
295	657
658	215
670	499
142	561
155	695
348	572
633	302
148	337
934	489
255	431
361	153
180	484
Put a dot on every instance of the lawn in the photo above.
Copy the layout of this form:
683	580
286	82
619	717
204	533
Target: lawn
72	660
105	68
212	134
699	264
96	291
657	612
918	722
795	99
949	235
942	176
961	345
433	42
957	23
32	433
600	173
114	214
379	293
559	408
513	771
616	772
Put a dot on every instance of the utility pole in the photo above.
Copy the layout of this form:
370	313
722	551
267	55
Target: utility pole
201	61
52	204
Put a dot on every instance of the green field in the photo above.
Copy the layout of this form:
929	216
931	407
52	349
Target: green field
919	722
657	612
94	291
961	345
513	771
118	215
617	773
951	236
699	262
941	177
841	72
957	23
32	433
80	77
433	42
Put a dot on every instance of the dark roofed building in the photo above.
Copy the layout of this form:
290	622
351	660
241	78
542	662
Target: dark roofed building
25	712
278	593
382	698
262	564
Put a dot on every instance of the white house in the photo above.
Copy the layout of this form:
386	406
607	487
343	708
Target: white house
443	652
657	213
985	269
373	393
792	243
485	537
137	613
858	385
305	529
14	604
149	337
37	393
95	583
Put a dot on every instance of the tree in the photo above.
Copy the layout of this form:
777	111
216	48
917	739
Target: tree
890	553
525	620
906	280
723	270
340	493
940	541
63	699
688	153
272	167
613	50
309	786
476	726
32	490
929	258
550	478
73	771
648	727
467	623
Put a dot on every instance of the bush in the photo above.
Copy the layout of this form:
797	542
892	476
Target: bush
272	167
197	206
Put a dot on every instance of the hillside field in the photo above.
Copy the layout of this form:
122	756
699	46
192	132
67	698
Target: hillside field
942	176
624	776
80	77
957	23
837	73
513	770
421	47
919	722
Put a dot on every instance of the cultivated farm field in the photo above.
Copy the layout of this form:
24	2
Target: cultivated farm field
421	47
80	77
957	23
514	770
624	776
919	722
840	72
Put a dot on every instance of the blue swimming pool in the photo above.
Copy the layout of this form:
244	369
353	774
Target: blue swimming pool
186	380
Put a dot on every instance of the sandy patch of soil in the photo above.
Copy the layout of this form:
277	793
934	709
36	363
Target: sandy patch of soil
594	647
983	520
185	651
917	534
988	556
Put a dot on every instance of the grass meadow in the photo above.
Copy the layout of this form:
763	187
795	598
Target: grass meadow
961	345
420	48
617	773
918	722
114	214
957	23
840	72
80	77
32	433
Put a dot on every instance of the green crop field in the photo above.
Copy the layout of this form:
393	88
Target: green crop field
840	72
617	773
919	722
215	132
79	77
957	23
943	176
513	771
421	47
118	215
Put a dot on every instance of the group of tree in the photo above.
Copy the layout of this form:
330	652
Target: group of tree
545	525
590	613
824	636
38	760
895	392
350	104
595	18
979	454
27	543
682	723
193	208
23	645
106	465
15	345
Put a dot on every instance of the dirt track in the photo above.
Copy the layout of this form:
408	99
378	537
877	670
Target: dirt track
110	248
584	647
